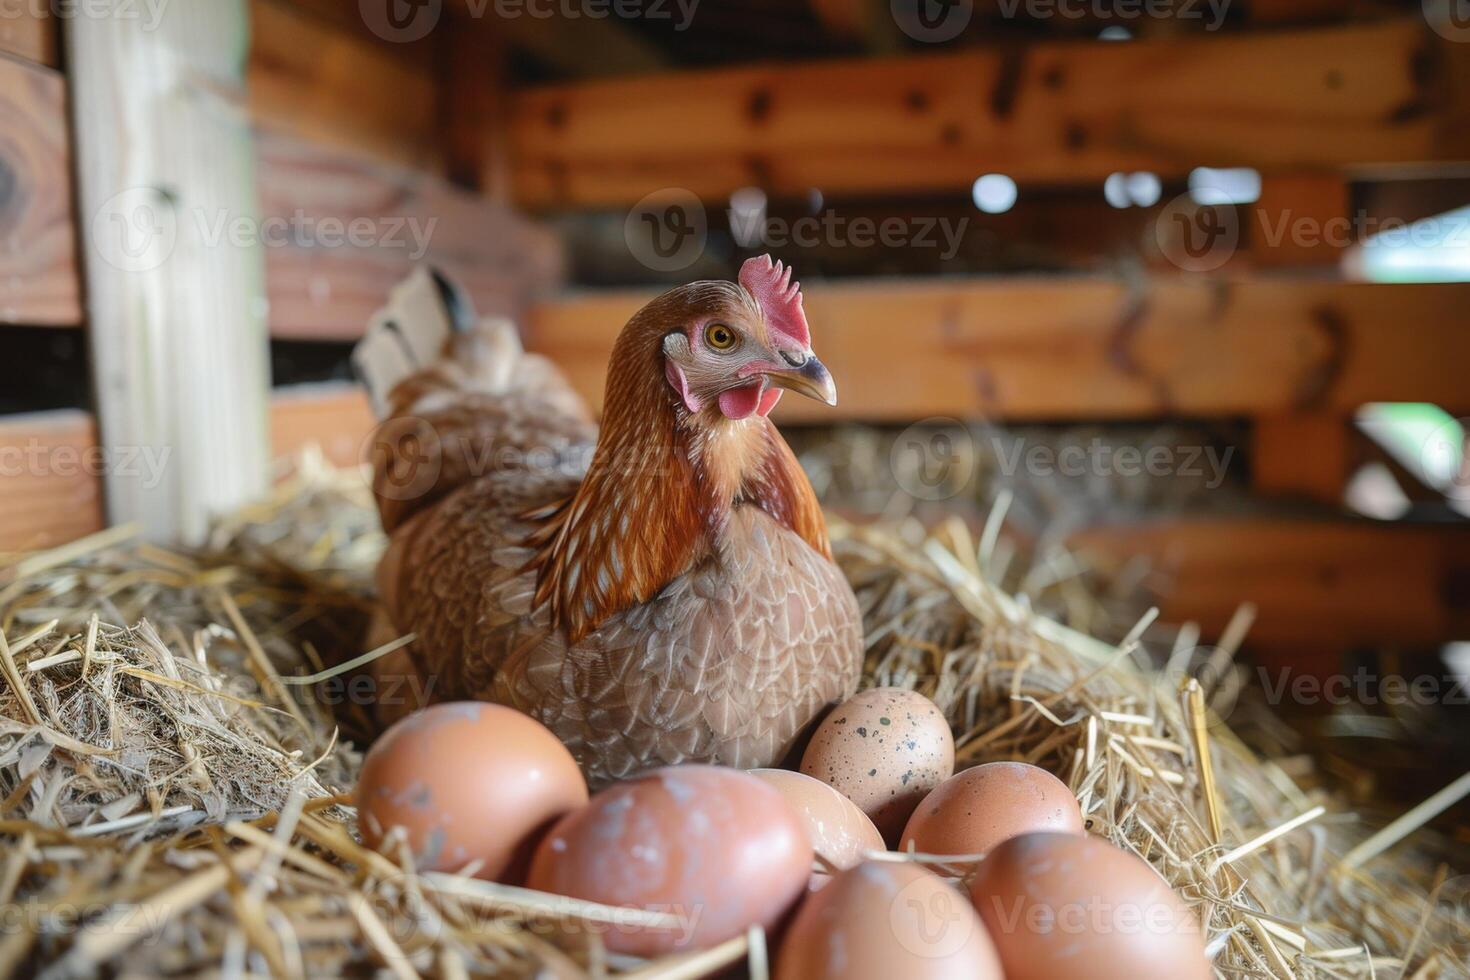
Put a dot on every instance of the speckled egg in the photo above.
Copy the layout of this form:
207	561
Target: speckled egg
884	749
468	782
717	849
976	809
883	920
1070	905
838	830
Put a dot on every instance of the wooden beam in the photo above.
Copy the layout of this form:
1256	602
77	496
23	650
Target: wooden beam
50	479
1060	348
1335	98
336	418
1304	455
1301	220
352	227
1317	585
175	270
39	281
340	87
28	31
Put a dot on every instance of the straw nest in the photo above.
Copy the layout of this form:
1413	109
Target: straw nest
174	770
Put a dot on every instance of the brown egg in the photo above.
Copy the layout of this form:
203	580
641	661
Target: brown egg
467	781
975	810
882	920
1069	905
838	830
718	849
884	749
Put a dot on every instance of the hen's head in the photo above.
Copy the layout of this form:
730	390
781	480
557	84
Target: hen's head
732	348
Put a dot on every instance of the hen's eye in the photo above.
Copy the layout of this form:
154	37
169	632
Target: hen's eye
719	336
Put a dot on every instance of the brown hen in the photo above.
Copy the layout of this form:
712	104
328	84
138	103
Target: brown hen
656	592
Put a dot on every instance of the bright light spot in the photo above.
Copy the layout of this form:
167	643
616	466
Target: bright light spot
1144	189
1373	492
994	193
1115	33
748	216
1231	185
1433	249
1457	659
1115	190
815	200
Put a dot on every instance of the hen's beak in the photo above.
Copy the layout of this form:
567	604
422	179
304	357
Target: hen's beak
809	378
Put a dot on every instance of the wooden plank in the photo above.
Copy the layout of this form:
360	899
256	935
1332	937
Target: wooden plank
1062	348
1303	455
28	31
1317	585
340	87
1334	98
335	418
353	227
178	337
1301	220
39	280
50	479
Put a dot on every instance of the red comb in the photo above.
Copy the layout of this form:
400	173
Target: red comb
779	297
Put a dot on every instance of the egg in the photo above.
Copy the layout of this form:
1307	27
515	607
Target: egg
837	829
467	781
1070	905
881	920
884	749
717	849
975	810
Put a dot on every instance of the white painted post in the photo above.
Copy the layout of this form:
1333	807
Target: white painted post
174	260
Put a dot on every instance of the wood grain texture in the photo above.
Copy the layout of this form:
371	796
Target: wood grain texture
1317	585
50	479
324	284
28	31
51	464
1340	97
39	279
1060	348
340	87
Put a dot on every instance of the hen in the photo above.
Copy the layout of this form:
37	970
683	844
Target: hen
656	592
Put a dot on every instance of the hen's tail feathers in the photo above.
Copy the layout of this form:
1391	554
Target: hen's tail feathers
411	332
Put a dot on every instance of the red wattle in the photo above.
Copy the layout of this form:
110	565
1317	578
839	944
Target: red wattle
768	401
742	402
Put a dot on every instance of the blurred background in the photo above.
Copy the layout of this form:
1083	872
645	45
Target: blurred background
1180	285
